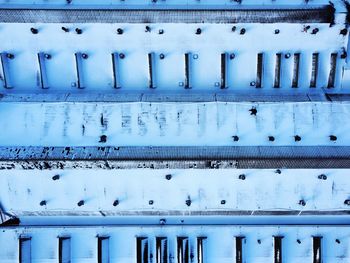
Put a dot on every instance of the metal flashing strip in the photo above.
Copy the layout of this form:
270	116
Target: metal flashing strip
312	15
247	218
110	157
159	96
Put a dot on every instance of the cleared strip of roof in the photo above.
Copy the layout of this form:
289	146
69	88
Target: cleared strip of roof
247	157
311	15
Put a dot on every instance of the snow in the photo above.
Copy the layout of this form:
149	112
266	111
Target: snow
222	205
174	124
218	247
262	190
99	41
